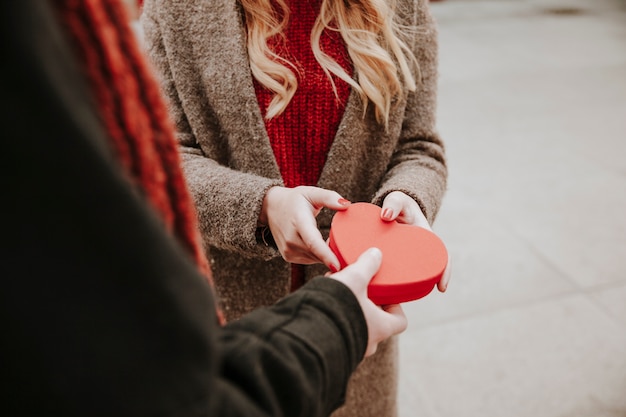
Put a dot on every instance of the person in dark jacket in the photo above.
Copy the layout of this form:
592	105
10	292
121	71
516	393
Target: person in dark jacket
106	304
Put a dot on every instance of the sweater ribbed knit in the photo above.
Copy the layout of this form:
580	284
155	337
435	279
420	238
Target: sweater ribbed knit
302	135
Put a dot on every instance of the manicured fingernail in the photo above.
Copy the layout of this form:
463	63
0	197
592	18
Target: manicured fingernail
387	213
333	268
344	202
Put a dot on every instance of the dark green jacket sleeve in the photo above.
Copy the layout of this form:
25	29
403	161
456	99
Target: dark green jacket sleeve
291	354
101	311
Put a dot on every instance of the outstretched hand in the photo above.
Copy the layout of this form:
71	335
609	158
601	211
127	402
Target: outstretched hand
402	208
382	321
290	214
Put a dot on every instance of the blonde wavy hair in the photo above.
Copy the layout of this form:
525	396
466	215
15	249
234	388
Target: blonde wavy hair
381	58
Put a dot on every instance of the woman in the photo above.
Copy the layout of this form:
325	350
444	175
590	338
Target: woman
287	109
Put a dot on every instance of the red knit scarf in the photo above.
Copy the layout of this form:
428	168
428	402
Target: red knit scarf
303	134
133	112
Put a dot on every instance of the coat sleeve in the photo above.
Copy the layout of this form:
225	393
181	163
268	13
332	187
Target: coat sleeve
289	353
102	312
418	165
216	188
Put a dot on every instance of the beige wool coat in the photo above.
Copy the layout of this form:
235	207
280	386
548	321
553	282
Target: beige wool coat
198	49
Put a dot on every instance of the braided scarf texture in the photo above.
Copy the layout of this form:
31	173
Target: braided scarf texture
133	112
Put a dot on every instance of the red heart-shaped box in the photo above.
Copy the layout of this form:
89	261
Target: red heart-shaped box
414	258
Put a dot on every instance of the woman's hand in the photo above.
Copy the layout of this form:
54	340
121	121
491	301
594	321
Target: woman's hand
290	214
383	321
402	208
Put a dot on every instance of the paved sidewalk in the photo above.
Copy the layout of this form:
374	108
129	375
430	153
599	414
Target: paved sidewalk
532	106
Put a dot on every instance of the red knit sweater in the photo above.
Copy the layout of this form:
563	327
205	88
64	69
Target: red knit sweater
303	134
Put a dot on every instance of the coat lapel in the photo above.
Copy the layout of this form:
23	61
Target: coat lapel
229	86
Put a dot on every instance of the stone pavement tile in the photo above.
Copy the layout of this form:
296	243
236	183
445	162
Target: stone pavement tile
557	358
613	300
580	231
491	269
531	106
413	402
535	133
550	167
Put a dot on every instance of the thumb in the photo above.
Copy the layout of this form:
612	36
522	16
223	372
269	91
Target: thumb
358	275
398	320
392	206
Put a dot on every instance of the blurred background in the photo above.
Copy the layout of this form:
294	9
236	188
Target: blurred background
532	106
